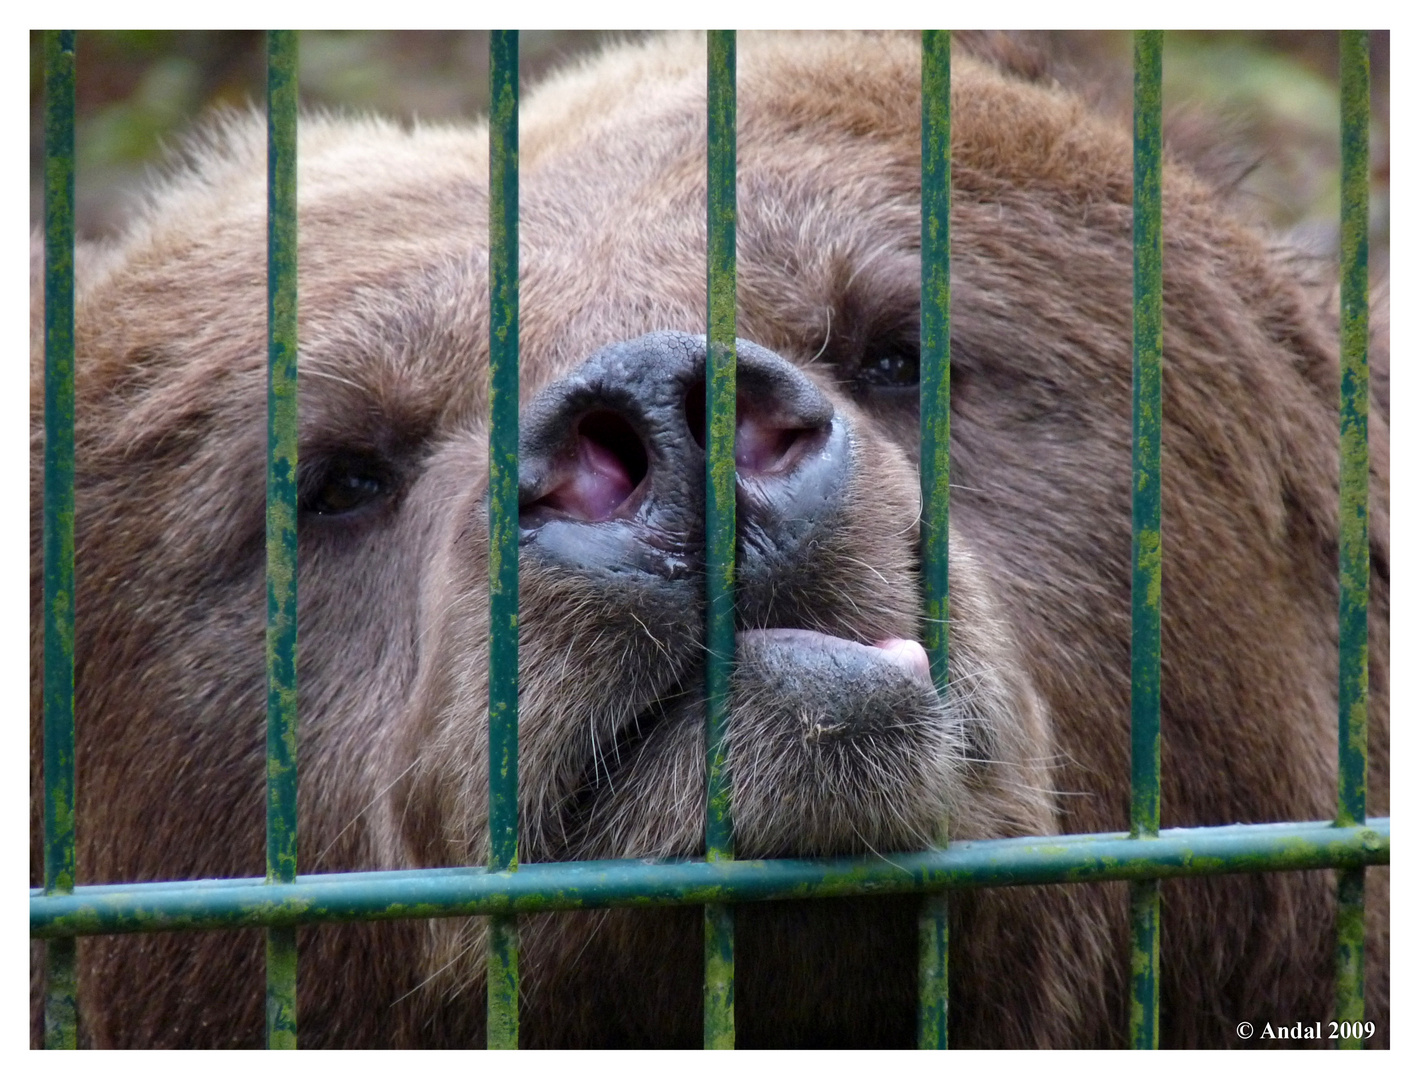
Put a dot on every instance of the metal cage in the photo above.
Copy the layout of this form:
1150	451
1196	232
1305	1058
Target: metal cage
61	911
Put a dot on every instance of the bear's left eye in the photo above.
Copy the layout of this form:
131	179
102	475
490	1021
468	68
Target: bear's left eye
889	368
344	485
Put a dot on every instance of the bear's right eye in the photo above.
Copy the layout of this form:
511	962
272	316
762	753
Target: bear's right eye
886	371
890	368
344	485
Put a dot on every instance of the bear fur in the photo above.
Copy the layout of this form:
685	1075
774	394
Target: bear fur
1032	740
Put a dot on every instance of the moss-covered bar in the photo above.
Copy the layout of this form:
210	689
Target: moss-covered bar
1354	555
419	894
60	1006
503	524
1147	547
720	362
281	83
934	409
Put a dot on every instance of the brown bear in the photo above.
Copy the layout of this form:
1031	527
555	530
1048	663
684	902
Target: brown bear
838	743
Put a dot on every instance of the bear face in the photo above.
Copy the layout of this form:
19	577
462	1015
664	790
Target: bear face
838	743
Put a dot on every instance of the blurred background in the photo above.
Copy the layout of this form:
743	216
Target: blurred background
1259	106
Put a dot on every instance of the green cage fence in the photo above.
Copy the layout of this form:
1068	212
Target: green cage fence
284	899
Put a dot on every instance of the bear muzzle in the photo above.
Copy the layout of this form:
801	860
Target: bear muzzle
612	504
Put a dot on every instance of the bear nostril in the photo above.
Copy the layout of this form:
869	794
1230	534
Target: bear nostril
613	436
606	465
622	439
695	412
764	442
765	446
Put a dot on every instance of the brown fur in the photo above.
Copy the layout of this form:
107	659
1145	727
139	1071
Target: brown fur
394	328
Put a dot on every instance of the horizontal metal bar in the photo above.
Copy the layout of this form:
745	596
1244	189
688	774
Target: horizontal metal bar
425	894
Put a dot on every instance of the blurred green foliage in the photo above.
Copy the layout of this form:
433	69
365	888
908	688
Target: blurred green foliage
1277	97
138	89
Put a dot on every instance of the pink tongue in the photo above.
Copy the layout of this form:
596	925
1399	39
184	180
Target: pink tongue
597	486
910	654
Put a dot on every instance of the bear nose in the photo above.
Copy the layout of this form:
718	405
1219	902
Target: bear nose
612	458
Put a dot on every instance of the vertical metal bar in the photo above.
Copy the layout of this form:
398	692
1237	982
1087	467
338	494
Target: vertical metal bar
1147	553
932	973
935	411
503	525
720	522
281	86
1355	563
61	1023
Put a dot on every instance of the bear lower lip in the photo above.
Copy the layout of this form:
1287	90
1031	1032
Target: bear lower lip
814	672
817	722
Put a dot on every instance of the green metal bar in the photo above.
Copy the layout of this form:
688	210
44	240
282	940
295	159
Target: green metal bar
427	894
719	521
1351	952
61	1017
1147	553
932	949
719	976
61	999
935	422
1355	562
1144	917
503	525
281	86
